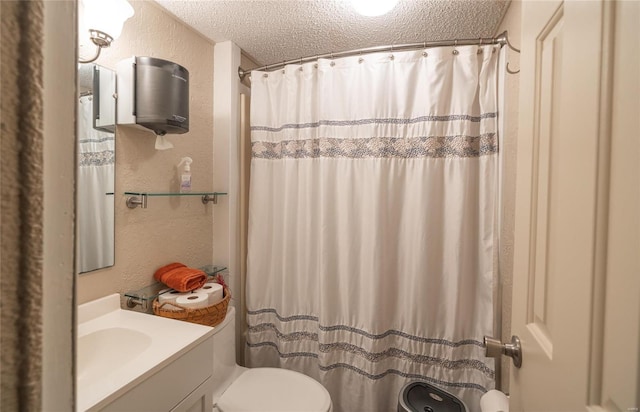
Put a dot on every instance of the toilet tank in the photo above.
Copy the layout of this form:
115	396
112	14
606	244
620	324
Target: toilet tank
225	369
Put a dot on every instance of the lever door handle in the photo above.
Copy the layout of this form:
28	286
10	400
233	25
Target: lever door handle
495	349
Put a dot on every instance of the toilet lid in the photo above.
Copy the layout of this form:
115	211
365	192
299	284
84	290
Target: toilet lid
274	390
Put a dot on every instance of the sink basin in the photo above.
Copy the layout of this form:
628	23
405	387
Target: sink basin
116	346
117	349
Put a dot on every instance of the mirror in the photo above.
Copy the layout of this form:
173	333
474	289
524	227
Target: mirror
95	168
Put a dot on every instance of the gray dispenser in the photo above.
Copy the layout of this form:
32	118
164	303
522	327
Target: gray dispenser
153	94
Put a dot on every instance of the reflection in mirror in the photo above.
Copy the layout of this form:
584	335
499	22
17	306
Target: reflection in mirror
96	168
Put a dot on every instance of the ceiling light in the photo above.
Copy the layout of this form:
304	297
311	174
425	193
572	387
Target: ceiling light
373	7
101	22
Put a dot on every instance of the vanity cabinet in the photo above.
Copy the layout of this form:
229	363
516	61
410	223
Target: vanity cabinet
200	400
184	384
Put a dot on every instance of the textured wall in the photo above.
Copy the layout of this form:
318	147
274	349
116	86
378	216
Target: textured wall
511	23
170	229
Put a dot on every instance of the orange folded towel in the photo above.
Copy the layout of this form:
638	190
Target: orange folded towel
181	278
167	268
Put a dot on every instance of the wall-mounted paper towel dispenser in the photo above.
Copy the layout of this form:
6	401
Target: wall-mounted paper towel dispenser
154	94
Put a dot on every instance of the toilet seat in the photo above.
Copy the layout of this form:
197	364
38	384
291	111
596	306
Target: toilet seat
274	390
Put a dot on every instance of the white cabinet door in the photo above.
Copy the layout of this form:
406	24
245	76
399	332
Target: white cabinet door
576	267
200	400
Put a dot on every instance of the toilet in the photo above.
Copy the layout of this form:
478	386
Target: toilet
239	389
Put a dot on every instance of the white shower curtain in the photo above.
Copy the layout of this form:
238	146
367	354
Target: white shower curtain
95	192
371	223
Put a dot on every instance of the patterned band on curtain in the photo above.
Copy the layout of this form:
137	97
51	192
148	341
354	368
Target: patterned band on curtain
371	223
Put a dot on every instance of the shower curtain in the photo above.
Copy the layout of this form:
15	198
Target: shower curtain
96	156
371	223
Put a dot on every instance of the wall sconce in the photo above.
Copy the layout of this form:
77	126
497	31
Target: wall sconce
103	21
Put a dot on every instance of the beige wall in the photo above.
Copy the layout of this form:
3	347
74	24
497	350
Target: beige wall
511	23
247	63
170	229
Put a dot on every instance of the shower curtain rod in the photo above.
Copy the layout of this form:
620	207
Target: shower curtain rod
502	39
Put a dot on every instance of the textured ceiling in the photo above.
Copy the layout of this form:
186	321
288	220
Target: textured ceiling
272	31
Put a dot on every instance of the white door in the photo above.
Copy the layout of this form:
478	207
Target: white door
576	296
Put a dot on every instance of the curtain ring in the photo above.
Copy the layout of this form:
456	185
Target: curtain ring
511	46
455	51
480	46
515	50
424	46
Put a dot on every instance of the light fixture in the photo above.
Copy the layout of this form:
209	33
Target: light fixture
372	8
102	20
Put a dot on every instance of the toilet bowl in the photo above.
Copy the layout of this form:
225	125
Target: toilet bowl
239	389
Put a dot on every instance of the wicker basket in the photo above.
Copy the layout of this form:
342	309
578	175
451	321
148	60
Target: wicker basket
208	316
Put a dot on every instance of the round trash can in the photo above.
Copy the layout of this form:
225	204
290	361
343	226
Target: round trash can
419	396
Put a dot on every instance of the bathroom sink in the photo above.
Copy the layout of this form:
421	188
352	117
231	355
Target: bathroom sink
118	349
116	346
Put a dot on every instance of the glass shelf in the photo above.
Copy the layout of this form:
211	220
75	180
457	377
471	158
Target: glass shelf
145	296
151	194
135	199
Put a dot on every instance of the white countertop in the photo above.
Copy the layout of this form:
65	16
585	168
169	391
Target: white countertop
118	349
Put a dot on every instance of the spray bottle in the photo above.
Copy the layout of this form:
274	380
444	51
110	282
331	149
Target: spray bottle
185	178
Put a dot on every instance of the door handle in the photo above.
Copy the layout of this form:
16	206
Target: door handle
495	349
